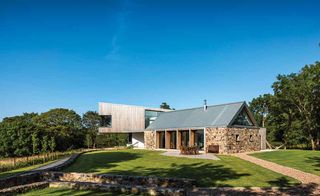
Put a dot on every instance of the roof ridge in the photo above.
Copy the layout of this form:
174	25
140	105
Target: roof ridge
207	106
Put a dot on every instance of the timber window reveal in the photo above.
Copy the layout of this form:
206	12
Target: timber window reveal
237	137
251	138
106	121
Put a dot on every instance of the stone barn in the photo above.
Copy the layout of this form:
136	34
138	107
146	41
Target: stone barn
225	128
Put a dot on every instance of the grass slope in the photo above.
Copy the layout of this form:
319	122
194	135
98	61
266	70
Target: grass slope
304	160
229	171
63	191
23	169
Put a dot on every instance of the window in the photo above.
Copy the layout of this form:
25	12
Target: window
199	139
243	119
150	116
106	121
237	137
251	138
130	138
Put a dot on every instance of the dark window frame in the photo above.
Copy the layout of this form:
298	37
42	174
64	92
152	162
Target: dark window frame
243	119
104	122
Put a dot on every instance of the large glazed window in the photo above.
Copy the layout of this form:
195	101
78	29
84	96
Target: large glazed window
106	121
199	139
243	119
150	116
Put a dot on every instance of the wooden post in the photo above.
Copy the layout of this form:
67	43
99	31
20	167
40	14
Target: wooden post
167	139
191	137
178	139
157	139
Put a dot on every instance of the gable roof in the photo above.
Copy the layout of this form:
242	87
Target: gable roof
215	116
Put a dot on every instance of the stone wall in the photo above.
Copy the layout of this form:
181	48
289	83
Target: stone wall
150	139
226	138
148	181
216	136
244	144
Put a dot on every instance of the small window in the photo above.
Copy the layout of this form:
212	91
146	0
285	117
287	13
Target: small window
237	137
251	138
130	138
106	121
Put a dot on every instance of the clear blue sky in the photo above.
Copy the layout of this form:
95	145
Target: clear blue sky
73	54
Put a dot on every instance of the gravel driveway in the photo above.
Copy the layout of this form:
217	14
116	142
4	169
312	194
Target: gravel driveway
304	177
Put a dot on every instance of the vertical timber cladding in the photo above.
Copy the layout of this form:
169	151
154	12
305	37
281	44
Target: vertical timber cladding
249	139
123	117
150	139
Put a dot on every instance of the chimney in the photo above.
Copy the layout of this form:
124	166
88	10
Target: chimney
205	105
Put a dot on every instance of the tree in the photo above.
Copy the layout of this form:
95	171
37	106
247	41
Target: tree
91	121
293	112
52	144
164	105
35	143
65	125
260	107
45	144
15	135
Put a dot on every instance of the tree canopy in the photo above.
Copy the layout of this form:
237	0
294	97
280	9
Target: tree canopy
56	130
292	113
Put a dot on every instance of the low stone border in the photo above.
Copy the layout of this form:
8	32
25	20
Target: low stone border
116	188
121	179
103	182
24	188
19	180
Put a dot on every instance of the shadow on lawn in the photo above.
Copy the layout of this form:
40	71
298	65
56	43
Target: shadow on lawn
204	174
92	162
65	191
303	189
315	161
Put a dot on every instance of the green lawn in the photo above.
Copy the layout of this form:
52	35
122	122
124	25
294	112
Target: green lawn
304	160
229	171
23	169
63	191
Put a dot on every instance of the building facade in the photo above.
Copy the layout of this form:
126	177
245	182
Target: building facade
225	128
129	119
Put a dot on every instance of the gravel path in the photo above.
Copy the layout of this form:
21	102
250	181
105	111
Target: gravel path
305	178
51	165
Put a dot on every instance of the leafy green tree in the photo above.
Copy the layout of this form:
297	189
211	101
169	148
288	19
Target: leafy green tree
35	143
91	121
260	107
15	135
65	125
52	144
45	144
164	105
293	112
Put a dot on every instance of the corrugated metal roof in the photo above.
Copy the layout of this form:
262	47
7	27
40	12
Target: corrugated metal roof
215	116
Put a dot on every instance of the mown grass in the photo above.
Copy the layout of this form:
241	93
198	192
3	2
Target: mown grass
23	169
304	160
64	191
229	171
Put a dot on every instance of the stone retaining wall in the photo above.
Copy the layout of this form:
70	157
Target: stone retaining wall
20	180
120	179
142	184
24	188
116	188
